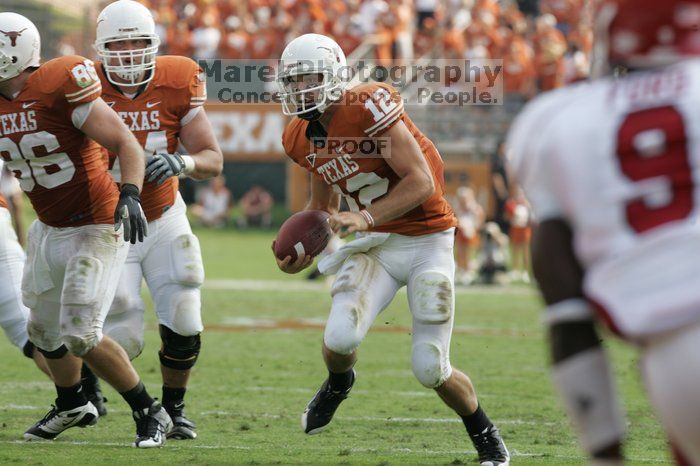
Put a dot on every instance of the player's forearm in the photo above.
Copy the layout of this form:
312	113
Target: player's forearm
413	190
330	205
323	197
208	163
131	161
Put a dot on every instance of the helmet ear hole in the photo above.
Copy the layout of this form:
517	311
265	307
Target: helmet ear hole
14	59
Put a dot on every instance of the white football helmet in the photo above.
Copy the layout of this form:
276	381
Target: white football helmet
311	54
20	45
127	20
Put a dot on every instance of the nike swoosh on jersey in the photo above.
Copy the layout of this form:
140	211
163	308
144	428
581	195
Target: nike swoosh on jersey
28	104
152	104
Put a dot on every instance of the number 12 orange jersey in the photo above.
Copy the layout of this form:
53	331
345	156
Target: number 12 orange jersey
170	101
364	114
62	171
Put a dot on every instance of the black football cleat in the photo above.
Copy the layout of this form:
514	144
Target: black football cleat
491	448
183	428
320	410
152	426
57	421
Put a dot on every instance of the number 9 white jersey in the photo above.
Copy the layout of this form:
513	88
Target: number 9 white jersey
619	160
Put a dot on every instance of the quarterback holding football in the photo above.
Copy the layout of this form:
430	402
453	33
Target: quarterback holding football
404	226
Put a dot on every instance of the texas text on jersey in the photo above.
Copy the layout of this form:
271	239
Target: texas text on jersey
169	101
364	112
62	171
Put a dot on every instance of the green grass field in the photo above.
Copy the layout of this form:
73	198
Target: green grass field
261	363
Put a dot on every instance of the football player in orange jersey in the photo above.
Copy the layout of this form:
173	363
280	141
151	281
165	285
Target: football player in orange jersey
161	100
50	117
405	226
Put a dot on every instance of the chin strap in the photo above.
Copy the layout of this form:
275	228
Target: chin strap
316	133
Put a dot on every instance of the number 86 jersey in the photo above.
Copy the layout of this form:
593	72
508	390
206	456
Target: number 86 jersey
619	161
352	157
62	171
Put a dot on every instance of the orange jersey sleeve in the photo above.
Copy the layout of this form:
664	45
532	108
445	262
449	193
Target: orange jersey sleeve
3	202
67	82
197	87
379	107
62	171
184	80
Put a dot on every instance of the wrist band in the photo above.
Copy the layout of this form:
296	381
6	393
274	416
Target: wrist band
368	218
189	164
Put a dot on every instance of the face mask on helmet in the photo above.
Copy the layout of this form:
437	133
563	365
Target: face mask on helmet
127	42
312	74
306	95
132	59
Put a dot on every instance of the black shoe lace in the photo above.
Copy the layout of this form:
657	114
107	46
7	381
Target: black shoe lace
147	426
488	446
329	401
50	415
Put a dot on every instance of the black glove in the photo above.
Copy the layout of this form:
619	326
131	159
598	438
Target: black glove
160	167
130	213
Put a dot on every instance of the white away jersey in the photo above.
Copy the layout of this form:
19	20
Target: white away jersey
619	160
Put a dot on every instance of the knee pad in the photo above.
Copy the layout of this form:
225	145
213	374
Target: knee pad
81	304
14	324
81	285
430	365
343	334
79	345
178	351
186	257
58	353
126	328
344	331
187	316
28	349
43	338
432	298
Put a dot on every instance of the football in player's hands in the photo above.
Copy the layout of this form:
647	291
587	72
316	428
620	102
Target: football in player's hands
306	232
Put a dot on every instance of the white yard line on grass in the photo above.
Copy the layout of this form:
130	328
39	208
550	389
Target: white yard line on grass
12	387
247	323
304	286
391	419
250	416
315	448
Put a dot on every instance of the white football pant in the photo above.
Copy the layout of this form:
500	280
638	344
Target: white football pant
170	260
13	314
367	282
69	283
671	368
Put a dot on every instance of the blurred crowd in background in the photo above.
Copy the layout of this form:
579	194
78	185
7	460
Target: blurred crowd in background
544	44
